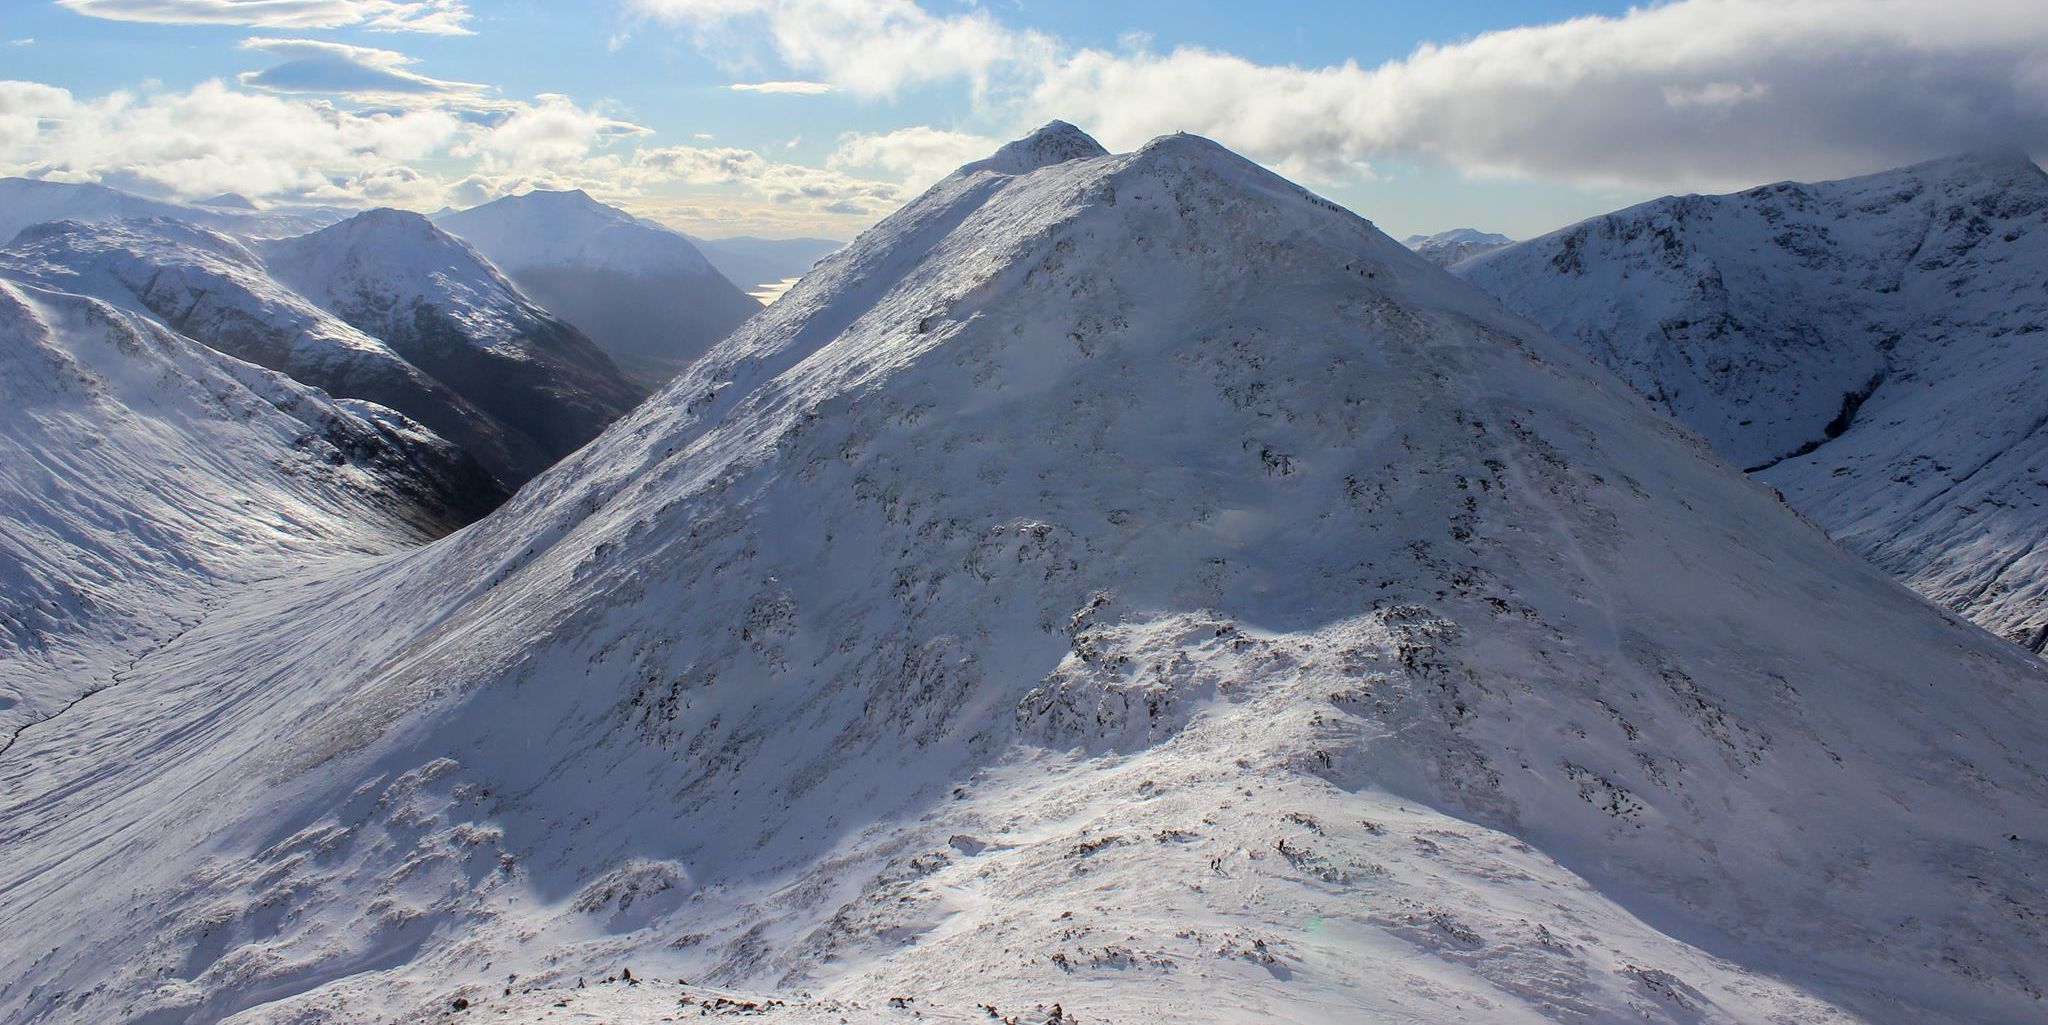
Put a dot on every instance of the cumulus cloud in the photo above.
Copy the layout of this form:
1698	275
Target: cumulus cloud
918	155
799	185
551	129
214	139
1700	93
318	66
784	88
437	17
868	47
1686	94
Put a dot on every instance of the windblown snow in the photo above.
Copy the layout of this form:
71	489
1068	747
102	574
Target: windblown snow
1871	347
1124	584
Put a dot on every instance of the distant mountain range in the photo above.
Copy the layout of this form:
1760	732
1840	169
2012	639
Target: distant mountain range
643	292
1448	247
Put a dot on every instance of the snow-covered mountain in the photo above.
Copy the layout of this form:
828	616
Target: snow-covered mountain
28	201
1871	347
642	291
427	294
143	475
1126	583
1448	247
393	312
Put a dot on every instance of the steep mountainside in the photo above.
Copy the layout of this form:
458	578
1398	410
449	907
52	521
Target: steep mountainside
142	474
435	301
382	308
1127	583
643	292
1448	247
1872	347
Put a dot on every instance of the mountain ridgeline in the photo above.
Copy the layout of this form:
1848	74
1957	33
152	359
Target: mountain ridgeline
1130	583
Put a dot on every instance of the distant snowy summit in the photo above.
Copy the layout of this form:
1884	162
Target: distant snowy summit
642	291
383	307
1873	347
1448	247
1126	581
27	201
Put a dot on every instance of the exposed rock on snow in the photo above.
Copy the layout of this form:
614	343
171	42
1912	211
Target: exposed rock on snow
1122	587
642	291
1871	347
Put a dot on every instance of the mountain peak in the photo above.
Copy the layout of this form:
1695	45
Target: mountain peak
1055	143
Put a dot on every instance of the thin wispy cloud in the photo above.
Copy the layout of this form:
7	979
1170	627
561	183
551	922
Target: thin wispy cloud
436	17
786	88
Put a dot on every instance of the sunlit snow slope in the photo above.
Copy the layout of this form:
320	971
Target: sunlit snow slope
1130	583
1873	347
143	476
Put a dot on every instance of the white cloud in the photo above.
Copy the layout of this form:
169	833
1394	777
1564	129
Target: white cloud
868	47
318	66
26	41
918	155
438	17
214	139
552	129
785	88
1685	94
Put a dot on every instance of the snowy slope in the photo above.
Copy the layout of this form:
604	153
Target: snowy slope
1872	347
1448	247
218	292
442	306
1125	583
142	475
643	292
381	307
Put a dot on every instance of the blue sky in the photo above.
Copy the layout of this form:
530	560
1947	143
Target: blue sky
1510	116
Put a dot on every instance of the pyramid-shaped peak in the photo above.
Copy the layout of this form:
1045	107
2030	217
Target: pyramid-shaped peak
382	221
566	198
1056	143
